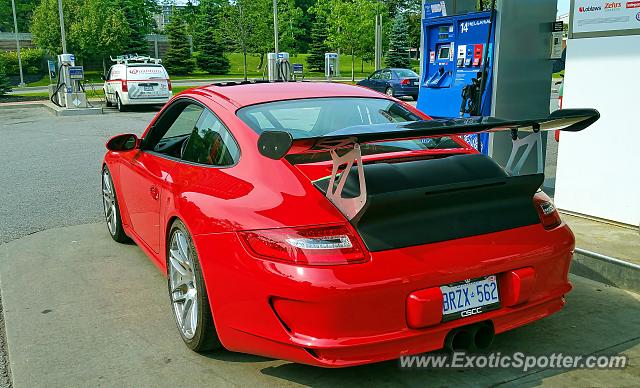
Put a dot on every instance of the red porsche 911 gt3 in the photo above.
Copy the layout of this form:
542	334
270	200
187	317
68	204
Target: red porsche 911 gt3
332	225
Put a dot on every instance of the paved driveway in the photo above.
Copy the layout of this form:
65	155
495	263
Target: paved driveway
81	310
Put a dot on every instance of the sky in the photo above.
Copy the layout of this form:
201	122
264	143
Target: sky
563	7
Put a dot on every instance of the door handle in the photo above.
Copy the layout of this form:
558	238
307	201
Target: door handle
155	194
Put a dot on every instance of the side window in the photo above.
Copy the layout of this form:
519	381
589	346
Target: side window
185	123
211	143
115	73
108	76
170	133
376	75
386	75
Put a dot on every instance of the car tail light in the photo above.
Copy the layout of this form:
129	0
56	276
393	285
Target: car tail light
169	84
549	216
405	81
125	87
318	245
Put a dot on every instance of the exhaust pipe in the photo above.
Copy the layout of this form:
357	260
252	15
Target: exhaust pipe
470	338
458	340
483	336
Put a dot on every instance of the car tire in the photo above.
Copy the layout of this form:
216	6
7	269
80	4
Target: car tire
119	104
106	101
187	292
389	91
112	208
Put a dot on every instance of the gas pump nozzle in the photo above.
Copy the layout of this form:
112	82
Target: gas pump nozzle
470	97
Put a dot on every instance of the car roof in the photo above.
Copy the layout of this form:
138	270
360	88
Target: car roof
256	93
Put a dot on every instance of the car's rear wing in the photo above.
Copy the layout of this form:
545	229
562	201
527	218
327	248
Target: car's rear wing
278	144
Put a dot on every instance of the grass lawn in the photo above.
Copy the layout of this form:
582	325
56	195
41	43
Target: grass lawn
236	70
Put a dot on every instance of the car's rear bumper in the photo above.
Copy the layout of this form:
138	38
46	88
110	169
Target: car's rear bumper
356	314
126	100
406	91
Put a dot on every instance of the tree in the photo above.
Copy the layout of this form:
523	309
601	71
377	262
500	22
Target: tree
396	7
178	59
138	14
318	47
210	56
247	25
100	29
4	80
45	25
236	27
24	13
94	28
190	15
398	44
414	22
290	31
350	24
303	43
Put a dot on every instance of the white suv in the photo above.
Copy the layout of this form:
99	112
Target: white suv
136	81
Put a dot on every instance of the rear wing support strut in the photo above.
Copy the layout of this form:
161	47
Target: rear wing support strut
532	140
350	207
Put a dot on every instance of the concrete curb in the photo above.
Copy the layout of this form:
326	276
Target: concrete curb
58	111
607	270
27	104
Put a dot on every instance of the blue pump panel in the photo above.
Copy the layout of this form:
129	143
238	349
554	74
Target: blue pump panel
454	54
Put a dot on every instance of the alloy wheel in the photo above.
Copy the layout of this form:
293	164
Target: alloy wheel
182	283
109	202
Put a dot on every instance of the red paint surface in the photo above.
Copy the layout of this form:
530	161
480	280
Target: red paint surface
331	316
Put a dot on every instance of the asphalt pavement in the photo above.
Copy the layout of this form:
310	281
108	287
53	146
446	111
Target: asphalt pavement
50	166
50	174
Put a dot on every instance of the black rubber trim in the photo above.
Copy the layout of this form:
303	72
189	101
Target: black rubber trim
428	201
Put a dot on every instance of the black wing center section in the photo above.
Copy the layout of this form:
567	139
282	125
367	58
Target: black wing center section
426	201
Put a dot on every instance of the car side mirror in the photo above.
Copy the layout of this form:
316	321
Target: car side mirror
125	142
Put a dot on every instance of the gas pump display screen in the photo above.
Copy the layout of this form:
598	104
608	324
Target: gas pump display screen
443	32
443	52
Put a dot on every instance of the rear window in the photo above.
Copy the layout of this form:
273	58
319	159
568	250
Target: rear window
315	117
146	71
406	73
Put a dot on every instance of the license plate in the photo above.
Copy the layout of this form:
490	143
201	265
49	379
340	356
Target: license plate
468	298
147	88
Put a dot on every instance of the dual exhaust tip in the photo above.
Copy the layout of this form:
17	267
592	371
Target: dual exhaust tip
477	337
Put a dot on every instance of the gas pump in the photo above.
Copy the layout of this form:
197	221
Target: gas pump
279	67
331	65
69	92
458	53
487	63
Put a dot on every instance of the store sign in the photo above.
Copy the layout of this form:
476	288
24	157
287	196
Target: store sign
605	16
435	9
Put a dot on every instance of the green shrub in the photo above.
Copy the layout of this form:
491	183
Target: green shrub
32	61
4	80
